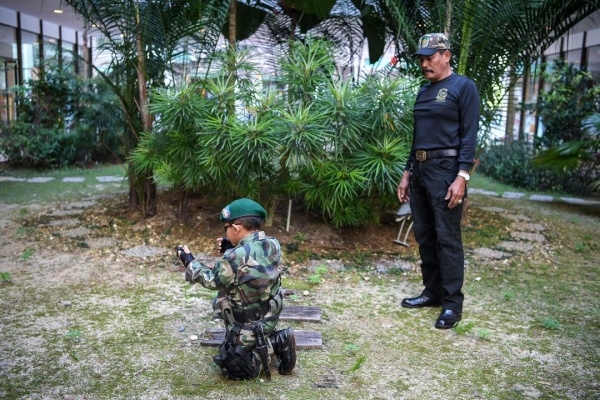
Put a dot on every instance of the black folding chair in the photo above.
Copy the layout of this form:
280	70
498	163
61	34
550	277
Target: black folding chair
404	216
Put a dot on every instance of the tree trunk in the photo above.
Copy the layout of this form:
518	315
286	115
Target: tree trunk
523	111
271	206
232	24
184	202
231	56
510	118
467	32
448	24
142	189
142	192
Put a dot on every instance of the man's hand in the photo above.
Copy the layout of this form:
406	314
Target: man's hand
184	254
403	192
456	192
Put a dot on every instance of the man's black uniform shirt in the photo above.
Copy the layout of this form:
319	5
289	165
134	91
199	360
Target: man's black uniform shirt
446	116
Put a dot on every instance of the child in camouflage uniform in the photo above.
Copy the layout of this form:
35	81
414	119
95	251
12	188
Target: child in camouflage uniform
250	300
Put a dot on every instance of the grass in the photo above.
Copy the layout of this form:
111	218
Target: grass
92	323
482	182
22	192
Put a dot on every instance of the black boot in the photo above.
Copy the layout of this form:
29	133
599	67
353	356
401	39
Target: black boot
284	346
219	361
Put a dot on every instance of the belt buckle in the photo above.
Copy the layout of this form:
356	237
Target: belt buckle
421	155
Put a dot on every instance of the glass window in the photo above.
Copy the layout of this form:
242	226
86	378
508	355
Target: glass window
8	42
102	57
50	49
574	57
67	56
30	49
549	66
593	61
8	79
82	60
533	81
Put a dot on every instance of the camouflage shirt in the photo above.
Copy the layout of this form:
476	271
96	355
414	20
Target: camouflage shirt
248	275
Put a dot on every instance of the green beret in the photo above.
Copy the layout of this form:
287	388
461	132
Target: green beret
242	208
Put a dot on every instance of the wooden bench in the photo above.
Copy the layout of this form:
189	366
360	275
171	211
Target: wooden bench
305	339
301	313
297	313
213	337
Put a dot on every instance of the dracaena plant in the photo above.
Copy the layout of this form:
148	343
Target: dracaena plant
337	147
364	132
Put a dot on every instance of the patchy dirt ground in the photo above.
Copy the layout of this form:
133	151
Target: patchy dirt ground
93	305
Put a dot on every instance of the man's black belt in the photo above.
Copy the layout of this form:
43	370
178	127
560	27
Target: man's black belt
423	155
254	314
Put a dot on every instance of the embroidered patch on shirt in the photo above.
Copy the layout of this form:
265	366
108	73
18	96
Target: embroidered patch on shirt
442	94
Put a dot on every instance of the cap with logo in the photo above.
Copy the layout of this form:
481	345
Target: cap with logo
432	42
242	208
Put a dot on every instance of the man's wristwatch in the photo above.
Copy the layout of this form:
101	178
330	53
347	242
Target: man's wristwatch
465	175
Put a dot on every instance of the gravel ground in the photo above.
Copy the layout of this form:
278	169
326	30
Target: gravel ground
101	311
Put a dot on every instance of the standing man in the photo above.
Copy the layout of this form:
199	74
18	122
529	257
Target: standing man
446	120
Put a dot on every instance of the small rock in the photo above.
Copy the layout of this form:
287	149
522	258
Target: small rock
181	328
306	293
532	237
489	253
366	278
66	304
193	338
515	246
513	195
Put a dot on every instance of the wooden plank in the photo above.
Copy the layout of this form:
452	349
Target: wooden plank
301	313
296	313
213	337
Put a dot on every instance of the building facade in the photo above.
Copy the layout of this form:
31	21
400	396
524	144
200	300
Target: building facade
580	47
32	32
26	40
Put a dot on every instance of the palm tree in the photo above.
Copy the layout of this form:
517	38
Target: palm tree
347	24
494	40
144	37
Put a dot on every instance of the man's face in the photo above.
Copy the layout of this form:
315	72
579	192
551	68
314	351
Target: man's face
436	66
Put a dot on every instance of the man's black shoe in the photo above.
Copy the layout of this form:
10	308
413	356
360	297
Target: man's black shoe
447	319
419	301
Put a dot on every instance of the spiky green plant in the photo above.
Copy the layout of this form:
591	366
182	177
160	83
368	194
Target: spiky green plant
144	38
338	148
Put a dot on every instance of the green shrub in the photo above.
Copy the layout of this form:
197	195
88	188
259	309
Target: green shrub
336	147
573	95
30	147
62	121
512	164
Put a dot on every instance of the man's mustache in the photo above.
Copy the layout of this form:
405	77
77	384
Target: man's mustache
424	70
